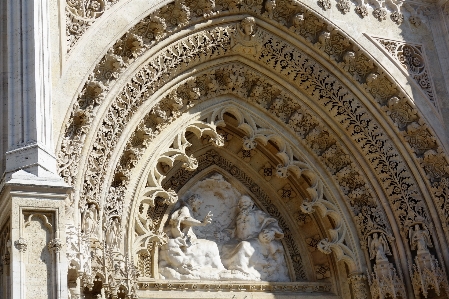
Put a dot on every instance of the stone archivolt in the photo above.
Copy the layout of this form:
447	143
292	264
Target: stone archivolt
303	72
81	14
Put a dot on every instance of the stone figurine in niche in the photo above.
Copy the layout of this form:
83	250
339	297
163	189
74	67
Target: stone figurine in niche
378	248
420	239
242	243
113	234
90	221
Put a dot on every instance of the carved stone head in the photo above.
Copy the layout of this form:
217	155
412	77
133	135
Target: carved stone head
194	202
248	26
245	202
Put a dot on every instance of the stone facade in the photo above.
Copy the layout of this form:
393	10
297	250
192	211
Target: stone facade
224	149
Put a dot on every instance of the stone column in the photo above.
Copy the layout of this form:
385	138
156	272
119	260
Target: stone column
28	98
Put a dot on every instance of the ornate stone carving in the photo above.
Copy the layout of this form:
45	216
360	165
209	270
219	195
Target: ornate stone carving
359	286
385	282
247	250
375	82
55	245
246	39
378	248
185	256
80	14
90	223
145	231
336	242
322	271
397	17
212	158
344	6
412	58
380	13
21	244
309	287
426	271
362	10
325	4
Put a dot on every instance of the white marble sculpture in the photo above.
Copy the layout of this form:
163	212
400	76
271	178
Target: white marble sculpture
242	243
185	256
253	249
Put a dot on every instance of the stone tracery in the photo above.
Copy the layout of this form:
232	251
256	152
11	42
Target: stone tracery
376	83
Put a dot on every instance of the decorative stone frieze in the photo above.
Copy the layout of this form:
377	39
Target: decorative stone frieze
243	286
350	59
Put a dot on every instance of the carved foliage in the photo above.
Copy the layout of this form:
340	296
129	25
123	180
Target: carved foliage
413	60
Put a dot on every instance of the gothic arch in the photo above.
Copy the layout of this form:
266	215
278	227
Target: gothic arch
132	95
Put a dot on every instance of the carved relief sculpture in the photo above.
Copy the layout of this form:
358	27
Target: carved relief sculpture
245	40
248	248
185	256
253	249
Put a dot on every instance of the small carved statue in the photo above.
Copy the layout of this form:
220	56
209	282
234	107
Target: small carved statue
113	233
378	248
90	221
270	5
420	239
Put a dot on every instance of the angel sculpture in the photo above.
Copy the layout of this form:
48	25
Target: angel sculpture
420	239
245	39
378	248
